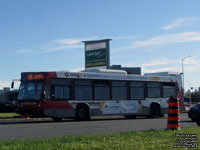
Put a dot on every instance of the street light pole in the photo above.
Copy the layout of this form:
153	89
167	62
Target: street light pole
183	75
183	72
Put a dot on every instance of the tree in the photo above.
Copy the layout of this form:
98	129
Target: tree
195	95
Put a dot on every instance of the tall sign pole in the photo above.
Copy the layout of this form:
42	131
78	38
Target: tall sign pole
97	54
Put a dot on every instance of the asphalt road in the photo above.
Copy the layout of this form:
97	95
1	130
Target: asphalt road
37	128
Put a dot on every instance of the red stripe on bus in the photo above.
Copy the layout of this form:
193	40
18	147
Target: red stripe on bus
57	105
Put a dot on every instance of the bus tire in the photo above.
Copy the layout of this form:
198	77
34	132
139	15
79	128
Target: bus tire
56	119
162	115
82	113
129	116
155	110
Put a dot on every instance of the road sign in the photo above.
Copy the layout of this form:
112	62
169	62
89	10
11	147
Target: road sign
97	54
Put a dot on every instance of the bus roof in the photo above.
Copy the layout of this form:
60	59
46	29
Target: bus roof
164	73
102	74
116	75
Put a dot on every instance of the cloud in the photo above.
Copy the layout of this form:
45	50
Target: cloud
178	22
57	45
191	64
192	68
73	41
169	69
161	65
47	50
157	65
66	43
122	37
168	39
160	62
191	60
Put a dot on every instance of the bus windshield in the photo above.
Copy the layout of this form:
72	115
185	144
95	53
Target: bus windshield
30	91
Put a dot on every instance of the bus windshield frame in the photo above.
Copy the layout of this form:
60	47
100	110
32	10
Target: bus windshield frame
30	90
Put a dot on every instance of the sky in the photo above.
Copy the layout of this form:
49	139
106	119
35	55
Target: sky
47	35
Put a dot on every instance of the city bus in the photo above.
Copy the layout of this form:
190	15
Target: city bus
96	92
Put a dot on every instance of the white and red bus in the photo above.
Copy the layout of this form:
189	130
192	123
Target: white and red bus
98	92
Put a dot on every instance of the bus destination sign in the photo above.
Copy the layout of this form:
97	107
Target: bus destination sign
35	76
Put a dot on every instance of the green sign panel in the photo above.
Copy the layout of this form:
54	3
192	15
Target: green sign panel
95	58
97	54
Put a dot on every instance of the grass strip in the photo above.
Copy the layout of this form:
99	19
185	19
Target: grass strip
9	115
151	140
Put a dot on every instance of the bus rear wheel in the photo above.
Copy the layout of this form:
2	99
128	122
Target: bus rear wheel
130	116
82	113
56	119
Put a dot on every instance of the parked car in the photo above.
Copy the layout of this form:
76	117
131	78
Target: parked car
194	112
7	107
198	121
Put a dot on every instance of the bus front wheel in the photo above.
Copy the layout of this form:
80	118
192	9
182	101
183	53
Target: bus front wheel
82	113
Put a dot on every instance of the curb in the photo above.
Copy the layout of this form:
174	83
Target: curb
20	119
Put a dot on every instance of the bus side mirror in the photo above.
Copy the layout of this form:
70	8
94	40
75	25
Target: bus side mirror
12	85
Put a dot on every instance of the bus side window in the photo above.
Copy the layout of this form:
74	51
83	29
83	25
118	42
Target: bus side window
62	92
47	91
60	89
119	90
137	90
169	89
101	90
83	90
153	90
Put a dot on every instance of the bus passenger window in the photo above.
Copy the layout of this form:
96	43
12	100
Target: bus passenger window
83	90
168	90
137	90
62	92
119	90
153	89
60	89
101	90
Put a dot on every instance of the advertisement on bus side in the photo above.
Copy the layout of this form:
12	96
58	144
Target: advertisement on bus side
118	107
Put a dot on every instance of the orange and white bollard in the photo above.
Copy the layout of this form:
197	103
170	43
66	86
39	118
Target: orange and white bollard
173	122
